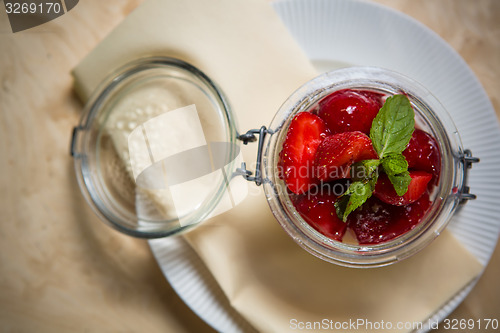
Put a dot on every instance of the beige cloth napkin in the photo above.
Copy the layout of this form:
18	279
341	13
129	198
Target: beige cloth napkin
269	279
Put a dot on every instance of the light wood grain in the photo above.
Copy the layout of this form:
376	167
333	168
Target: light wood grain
61	269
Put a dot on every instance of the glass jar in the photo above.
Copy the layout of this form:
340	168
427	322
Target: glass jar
430	116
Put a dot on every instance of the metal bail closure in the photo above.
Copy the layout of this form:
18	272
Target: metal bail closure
467	160
250	137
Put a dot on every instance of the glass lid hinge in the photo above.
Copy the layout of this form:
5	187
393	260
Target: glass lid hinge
467	160
250	136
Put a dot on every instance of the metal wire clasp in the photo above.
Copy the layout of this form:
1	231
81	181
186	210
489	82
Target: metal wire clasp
467	160
250	137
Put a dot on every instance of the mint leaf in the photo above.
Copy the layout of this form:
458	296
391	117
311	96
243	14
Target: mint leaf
396	168
365	174
390	133
400	181
394	164
356	195
393	126
341	206
364	170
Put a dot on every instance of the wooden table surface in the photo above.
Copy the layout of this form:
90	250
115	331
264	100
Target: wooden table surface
61	269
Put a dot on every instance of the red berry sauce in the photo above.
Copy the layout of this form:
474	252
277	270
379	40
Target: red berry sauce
318	151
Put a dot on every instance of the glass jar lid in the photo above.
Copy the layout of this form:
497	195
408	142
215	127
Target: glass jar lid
155	152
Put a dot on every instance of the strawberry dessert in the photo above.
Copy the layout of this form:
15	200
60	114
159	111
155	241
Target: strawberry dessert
356	163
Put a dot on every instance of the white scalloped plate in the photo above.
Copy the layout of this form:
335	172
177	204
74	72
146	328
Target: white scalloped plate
347	32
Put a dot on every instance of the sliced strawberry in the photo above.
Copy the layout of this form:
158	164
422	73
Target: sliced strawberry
377	221
350	110
305	133
384	190
422	153
337	152
319	211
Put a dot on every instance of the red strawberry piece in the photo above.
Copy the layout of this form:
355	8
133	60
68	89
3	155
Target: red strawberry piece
337	152
350	110
384	190
305	133
422	153
377	221
319	211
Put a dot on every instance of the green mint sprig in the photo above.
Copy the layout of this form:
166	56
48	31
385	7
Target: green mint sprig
396	168
390	133
393	126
